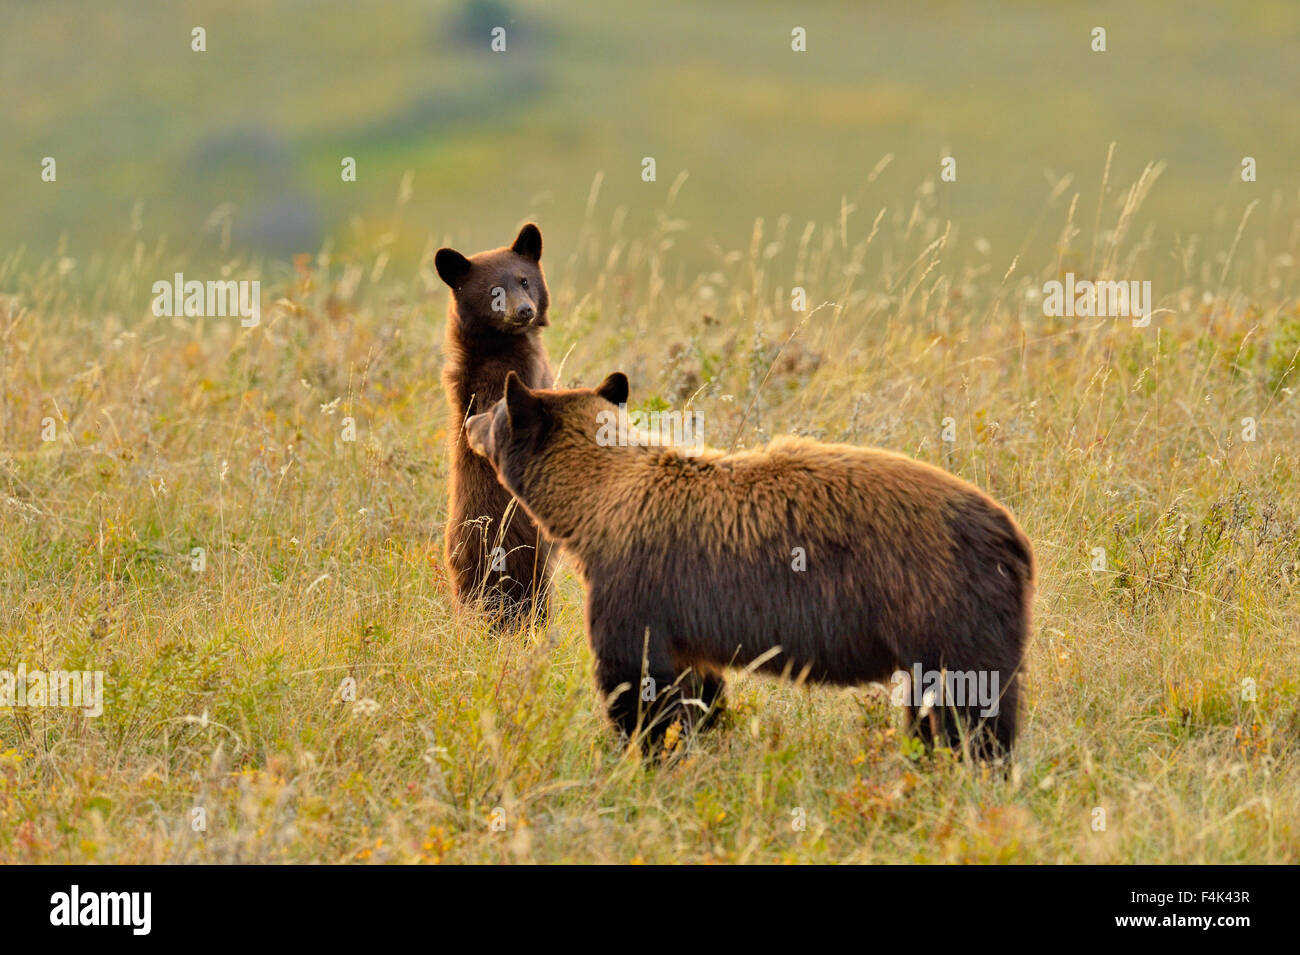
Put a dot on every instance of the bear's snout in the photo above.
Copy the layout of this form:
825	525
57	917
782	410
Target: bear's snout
478	434
525	314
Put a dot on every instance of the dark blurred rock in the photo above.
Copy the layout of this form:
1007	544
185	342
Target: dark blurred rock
255	171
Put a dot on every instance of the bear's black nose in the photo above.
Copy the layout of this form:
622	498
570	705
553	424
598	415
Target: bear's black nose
525	313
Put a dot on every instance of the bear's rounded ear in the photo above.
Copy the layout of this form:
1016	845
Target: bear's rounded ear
452	266
522	406
614	388
529	242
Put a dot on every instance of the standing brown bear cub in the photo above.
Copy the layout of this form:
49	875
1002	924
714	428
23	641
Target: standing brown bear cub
840	564
498	561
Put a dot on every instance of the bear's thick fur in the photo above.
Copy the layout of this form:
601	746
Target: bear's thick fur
691	564
497	560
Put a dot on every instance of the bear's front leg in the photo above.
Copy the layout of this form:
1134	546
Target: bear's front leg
705	695
642	701
644	692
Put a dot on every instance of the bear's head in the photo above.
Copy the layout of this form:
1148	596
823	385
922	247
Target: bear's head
547	445
499	292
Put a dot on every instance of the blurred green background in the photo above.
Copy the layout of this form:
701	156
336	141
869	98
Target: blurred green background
242	144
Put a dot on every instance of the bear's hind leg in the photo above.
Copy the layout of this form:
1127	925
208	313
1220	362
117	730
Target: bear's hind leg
965	730
996	734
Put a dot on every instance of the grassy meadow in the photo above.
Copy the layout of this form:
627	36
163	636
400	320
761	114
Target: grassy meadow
322	561
237	150
237	524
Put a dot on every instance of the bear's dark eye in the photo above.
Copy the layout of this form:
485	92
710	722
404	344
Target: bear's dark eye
523	282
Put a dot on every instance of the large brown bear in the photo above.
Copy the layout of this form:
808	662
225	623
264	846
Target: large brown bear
836	563
498	560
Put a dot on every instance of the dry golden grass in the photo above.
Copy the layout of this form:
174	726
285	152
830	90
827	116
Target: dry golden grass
323	559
